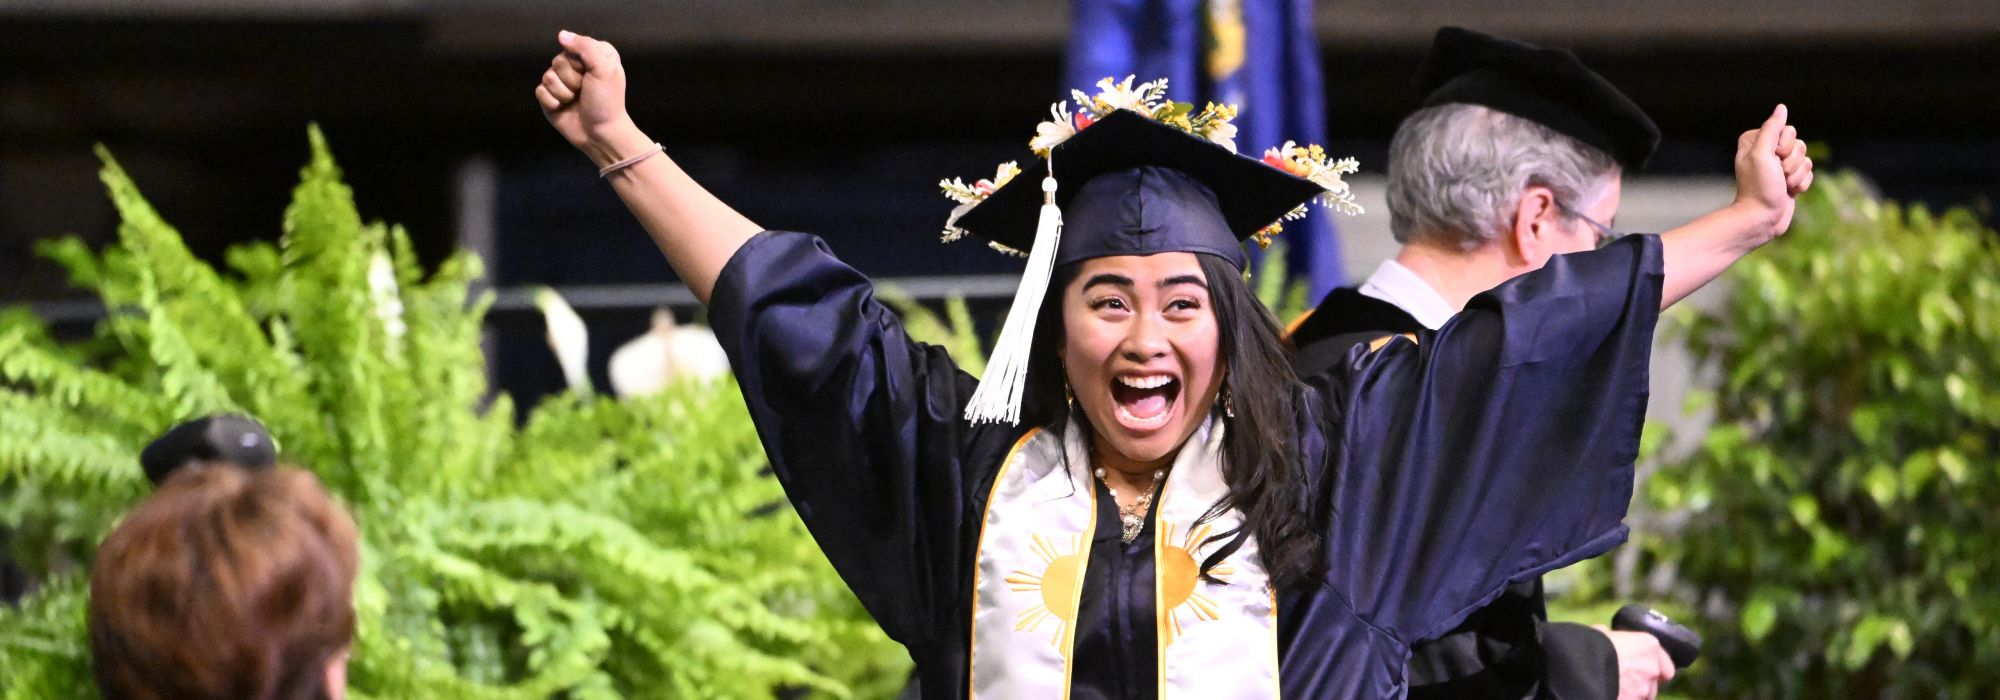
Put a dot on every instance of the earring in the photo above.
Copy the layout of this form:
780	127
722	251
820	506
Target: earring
1069	397
1228	404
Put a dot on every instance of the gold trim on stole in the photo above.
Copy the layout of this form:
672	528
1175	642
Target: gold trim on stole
1277	660
1161	612
1076	598
972	621
1046	548
1178	596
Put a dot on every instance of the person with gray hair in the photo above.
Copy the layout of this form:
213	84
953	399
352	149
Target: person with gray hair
1518	155
1460	175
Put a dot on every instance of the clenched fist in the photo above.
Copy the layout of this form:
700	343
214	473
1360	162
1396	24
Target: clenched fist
1772	170
583	95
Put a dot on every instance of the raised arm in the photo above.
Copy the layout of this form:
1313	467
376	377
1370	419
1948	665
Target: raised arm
1771	171
1496	448
1501	446
860	422
583	95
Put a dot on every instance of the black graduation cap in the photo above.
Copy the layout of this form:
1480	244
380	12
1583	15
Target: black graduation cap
1548	86
223	437
1129	185
1123	185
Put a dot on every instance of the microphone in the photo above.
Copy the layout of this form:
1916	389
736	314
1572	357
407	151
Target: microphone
1681	643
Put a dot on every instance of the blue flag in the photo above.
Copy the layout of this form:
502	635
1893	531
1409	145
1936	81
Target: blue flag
1260	55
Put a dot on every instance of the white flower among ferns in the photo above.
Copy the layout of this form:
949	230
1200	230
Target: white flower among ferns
568	338
666	353
384	294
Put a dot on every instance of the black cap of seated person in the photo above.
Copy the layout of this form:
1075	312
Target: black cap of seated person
224	437
1128	184
1547	86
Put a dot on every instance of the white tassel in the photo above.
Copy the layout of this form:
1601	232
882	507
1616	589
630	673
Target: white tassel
998	398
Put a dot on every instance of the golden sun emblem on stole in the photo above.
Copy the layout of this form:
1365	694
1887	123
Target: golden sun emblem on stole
1180	575
1059	583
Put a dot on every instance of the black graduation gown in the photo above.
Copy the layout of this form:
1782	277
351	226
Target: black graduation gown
1343	319
1508	649
1499	449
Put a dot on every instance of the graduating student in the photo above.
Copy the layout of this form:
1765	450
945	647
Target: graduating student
1140	499
1517	156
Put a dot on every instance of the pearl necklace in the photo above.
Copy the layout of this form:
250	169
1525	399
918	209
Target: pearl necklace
1133	517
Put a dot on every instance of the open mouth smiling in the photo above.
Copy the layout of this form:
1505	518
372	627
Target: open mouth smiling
1145	400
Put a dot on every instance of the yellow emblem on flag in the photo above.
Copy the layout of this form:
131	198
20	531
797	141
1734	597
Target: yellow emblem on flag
1226	38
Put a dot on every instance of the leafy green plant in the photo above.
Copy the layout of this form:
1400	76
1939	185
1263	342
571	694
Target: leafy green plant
1284	296
600	548
954	331
1833	535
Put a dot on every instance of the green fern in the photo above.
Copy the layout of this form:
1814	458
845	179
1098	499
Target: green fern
954	331
600	549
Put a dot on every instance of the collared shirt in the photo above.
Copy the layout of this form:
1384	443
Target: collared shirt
1402	287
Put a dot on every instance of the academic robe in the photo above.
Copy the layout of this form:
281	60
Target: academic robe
1343	319
1508	649
1499	448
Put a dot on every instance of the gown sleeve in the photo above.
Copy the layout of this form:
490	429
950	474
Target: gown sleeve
1495	449
862	425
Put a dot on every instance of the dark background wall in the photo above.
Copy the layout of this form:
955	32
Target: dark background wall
838	117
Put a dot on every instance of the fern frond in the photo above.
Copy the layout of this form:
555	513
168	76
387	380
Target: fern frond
600	548
57	378
51	444
43	648
179	291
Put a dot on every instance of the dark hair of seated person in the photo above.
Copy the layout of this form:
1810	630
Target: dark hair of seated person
226	583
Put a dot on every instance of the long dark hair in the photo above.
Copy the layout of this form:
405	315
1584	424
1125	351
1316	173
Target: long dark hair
1261	449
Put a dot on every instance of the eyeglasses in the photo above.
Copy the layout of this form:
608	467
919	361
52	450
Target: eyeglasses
1605	234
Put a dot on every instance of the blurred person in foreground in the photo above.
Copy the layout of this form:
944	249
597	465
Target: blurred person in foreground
1517	156
234	580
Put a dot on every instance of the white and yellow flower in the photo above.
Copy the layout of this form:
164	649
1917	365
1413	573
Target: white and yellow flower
1213	123
1052	133
1222	134
971	195
1109	96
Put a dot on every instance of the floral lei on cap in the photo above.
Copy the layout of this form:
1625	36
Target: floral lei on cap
1148	99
